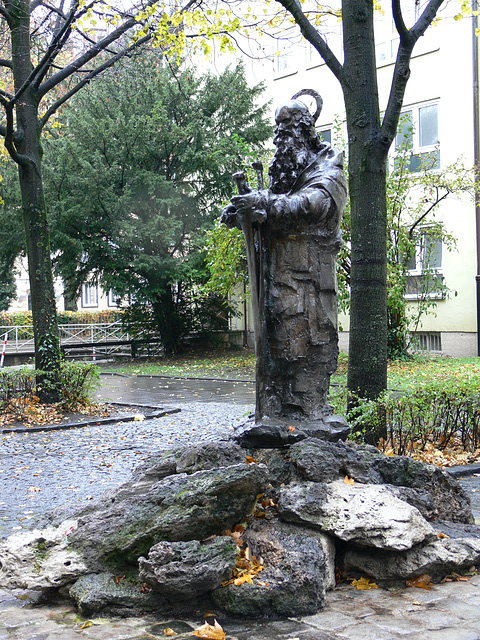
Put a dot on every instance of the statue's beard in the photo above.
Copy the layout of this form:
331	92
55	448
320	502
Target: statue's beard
287	164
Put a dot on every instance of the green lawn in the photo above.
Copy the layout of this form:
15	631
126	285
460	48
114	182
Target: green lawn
237	364
240	364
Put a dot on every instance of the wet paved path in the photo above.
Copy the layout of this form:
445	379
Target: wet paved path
446	612
160	389
42	470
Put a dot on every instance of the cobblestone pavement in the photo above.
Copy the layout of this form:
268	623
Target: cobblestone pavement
446	612
42	470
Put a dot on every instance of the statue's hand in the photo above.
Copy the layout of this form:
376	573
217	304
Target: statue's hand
229	217
251	205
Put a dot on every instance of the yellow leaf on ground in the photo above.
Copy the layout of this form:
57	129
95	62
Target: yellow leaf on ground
422	582
169	632
364	583
348	480
210	632
86	624
242	579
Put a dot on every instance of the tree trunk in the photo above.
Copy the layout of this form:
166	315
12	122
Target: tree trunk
29	159
167	322
367	370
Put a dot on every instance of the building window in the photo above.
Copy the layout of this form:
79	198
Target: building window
427	342
112	299
387	41
417	137
424	277
326	135
89	295
286	57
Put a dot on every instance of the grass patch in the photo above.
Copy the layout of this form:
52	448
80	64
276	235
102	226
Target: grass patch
237	364
240	364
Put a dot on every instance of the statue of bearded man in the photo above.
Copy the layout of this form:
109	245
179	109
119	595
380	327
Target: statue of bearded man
293	228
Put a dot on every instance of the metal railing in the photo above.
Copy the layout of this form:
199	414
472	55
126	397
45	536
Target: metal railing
20	339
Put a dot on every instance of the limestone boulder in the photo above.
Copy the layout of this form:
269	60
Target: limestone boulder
40	559
103	593
437	558
366	515
298	569
198	457
277	432
180	507
188	570
321	461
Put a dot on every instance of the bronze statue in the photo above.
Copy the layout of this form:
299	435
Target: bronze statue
292	232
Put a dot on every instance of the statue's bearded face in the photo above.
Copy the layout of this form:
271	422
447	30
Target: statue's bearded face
291	157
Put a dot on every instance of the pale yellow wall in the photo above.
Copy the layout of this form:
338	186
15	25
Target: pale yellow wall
441	71
23	288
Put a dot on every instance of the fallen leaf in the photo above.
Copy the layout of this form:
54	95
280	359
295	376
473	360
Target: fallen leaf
364	584
86	624
169	632
442	535
210	632
251	460
291	428
422	582
417	603
348	480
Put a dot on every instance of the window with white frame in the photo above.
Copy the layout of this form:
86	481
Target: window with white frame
425	268
112	299
89	295
386	35
417	136
286	57
325	134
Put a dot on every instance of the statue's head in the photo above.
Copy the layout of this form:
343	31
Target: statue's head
296	140
293	117
291	113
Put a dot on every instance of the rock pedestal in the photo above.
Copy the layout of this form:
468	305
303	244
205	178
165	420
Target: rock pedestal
295	513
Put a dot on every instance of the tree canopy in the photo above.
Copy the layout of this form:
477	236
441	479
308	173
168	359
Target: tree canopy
142	165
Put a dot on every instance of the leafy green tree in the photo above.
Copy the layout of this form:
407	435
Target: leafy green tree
142	168
414	233
12	241
50	51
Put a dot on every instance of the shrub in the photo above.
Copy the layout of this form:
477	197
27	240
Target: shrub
76	380
438	412
24	318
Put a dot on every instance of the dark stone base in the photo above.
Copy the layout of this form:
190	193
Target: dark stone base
270	433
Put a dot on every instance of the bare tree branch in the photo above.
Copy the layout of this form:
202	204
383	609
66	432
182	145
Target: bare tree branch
6	63
425	20
5	14
398	19
20	159
312	35
408	39
87	79
100	47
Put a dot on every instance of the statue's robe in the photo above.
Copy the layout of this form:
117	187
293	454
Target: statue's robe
300	239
